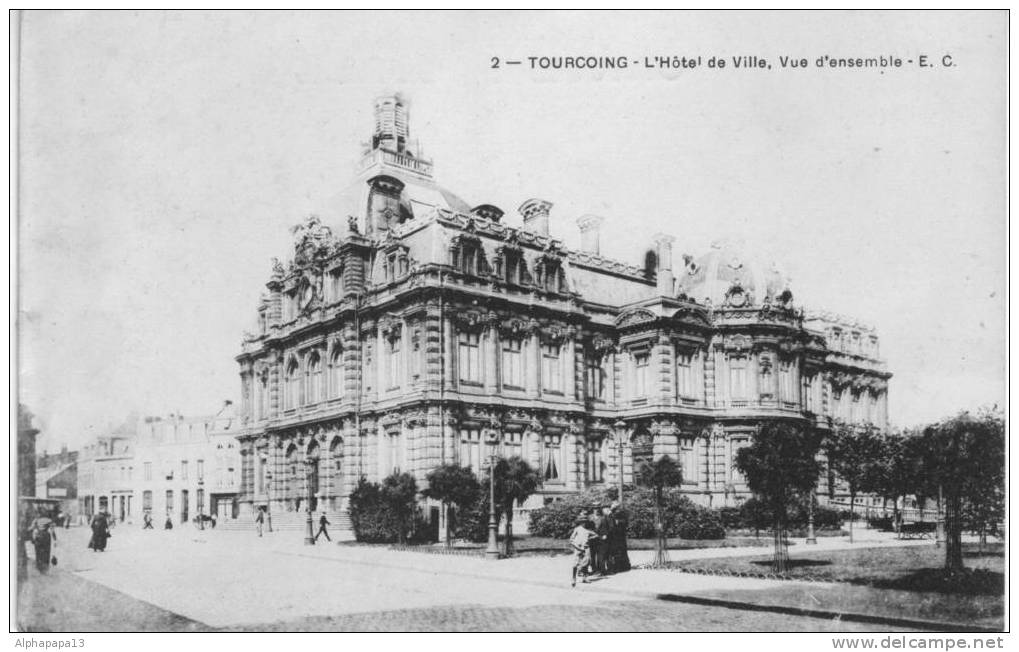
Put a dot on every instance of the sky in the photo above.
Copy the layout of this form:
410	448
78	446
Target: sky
163	157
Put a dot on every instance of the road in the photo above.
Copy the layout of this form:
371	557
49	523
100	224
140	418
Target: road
185	580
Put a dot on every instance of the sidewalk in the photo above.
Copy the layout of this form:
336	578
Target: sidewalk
825	599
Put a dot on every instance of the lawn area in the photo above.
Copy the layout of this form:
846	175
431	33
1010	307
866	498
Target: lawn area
906	580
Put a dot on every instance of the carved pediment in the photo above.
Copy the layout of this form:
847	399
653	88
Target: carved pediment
635	317
693	315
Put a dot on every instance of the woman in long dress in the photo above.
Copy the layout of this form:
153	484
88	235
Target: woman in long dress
100	532
43	535
620	559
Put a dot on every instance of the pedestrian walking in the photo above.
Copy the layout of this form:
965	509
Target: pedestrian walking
259	520
322	523
212	518
168	525
100	532
148	521
580	542
44	535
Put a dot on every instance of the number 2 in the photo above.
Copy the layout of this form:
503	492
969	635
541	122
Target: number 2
495	62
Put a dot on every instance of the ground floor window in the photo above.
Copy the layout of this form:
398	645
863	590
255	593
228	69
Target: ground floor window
551	458
470	449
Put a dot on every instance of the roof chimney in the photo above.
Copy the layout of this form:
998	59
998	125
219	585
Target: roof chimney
535	214
663	251
590	233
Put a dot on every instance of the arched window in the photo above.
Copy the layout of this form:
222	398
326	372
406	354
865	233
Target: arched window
293	382
336	452
336	372
314	393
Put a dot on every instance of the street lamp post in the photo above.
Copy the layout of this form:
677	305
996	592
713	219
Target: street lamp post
620	428
492	551
309	534
811	537
268	494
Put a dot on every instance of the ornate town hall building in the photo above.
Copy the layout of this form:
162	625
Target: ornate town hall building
429	324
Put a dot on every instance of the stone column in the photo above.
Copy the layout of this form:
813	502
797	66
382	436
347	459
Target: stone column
570	363
351	360
433	364
721	378
491	344
275	398
574	471
448	368
667	389
381	362
534	365
406	355
703	444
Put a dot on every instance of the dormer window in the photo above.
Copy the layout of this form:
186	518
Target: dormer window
394	265
468	256
515	268
549	275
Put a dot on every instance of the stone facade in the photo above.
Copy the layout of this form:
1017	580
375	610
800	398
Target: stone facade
428	325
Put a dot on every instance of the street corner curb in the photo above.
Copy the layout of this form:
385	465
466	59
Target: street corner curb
929	625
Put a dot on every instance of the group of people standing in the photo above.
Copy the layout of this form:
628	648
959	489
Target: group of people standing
598	541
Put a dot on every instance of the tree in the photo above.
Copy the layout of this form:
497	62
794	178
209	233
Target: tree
399	492
899	472
658	475
854	453
452	484
967	462
515	482
780	465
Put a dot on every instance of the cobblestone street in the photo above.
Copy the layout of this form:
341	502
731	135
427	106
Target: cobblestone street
187	580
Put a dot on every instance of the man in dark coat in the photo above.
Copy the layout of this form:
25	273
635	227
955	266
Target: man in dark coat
619	558
603	528
322	523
